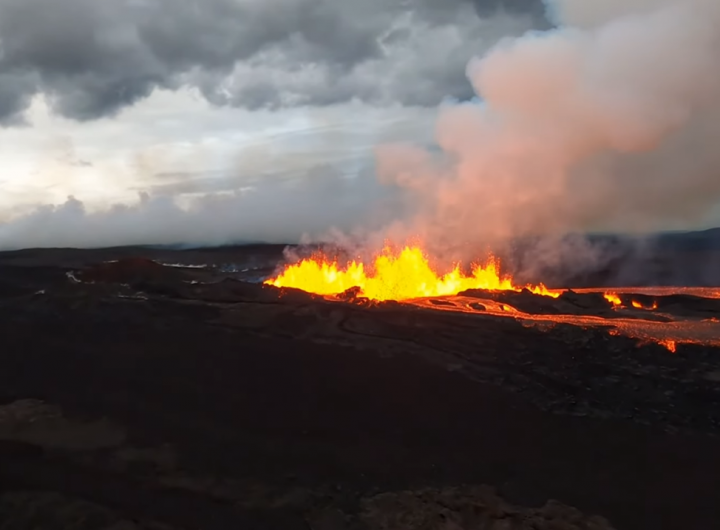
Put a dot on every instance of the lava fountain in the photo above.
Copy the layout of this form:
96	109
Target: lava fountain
396	275
406	274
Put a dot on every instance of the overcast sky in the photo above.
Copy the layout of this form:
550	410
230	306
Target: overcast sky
215	120
106	99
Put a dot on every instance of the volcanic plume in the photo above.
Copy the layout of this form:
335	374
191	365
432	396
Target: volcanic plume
601	123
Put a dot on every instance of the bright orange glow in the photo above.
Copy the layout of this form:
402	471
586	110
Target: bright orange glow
613	299
395	276
638	305
671	345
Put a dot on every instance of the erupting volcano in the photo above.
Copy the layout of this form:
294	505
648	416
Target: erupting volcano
402	275
407	274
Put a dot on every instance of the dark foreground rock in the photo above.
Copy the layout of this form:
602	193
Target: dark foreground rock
41	442
213	403
469	508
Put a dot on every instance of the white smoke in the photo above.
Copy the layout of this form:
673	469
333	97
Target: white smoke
607	122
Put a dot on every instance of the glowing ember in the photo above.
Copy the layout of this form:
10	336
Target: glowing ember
671	345
613	299
617	302
638	305
395	276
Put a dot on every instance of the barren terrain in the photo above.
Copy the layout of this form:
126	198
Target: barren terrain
146	388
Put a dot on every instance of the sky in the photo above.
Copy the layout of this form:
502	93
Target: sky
213	121
116	102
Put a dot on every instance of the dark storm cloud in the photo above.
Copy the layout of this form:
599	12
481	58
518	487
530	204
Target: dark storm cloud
15	91
94	57
488	7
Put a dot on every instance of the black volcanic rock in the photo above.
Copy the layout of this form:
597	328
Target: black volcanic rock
594	302
130	270
350	295
246	406
469	508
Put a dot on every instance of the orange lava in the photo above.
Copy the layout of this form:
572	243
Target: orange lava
402	275
613	299
671	345
617	302
638	305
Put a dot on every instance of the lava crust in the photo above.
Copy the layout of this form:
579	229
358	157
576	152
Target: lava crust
172	389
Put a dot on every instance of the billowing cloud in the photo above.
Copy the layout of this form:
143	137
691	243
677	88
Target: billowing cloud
605	123
92	58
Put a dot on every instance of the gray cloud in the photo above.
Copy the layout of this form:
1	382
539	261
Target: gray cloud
273	210
15	91
92	58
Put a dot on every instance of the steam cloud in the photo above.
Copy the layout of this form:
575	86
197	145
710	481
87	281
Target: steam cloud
607	122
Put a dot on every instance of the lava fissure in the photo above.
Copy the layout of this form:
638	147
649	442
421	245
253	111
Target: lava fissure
407	275
402	275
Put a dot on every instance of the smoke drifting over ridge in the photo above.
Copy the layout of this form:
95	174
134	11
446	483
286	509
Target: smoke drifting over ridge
606	122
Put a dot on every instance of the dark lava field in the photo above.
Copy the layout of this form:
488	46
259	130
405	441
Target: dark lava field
170	389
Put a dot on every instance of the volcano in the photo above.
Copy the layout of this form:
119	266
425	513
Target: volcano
406	275
232	388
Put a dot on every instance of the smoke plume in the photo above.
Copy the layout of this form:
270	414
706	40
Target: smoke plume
607	122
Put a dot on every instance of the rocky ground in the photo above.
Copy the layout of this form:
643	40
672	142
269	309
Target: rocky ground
140	395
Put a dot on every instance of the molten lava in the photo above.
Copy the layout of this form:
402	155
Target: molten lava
400	275
613	299
408	275
617	302
671	345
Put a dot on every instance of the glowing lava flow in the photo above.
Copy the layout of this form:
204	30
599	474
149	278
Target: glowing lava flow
670	344
617	302
638	305
395	276
613	299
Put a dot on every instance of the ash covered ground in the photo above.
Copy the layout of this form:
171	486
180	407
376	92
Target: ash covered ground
151	388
